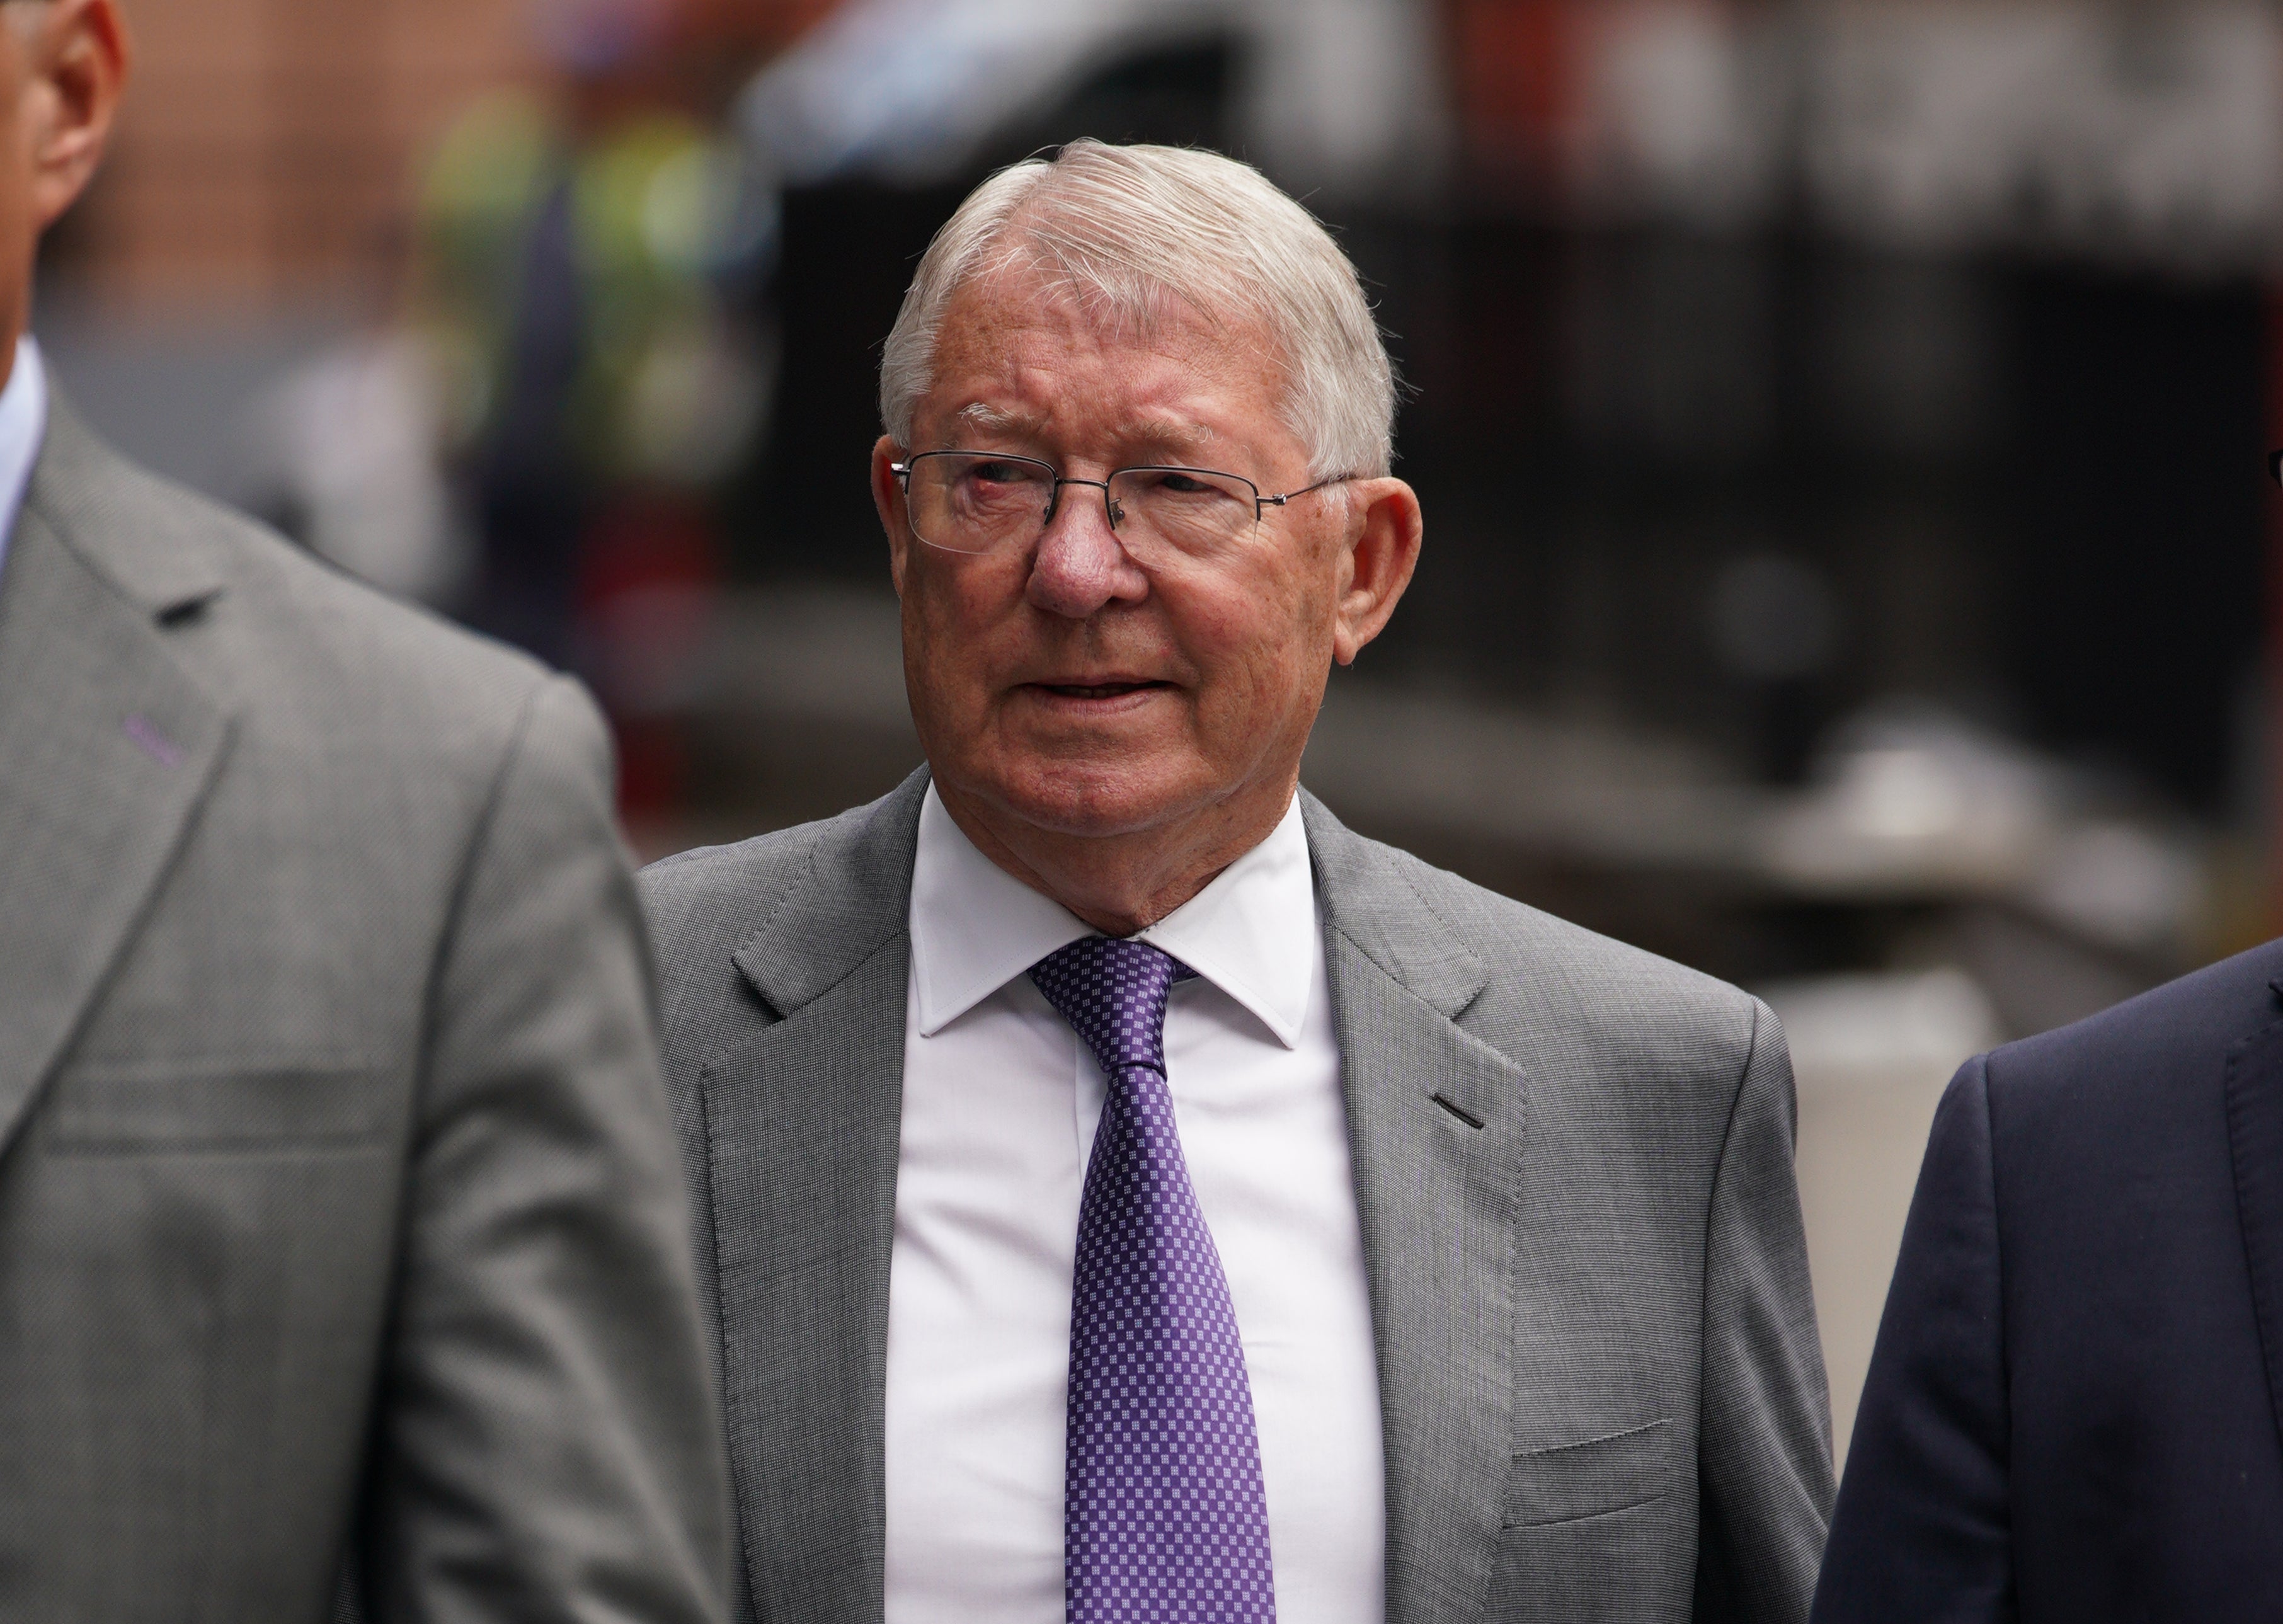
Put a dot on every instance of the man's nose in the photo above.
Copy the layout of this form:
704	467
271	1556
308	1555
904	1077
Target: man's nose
1080	566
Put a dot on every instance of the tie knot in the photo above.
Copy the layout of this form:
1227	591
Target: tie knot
1113	994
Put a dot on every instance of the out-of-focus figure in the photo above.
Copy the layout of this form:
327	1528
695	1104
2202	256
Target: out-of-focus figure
342	1247
342	453
2071	1412
586	255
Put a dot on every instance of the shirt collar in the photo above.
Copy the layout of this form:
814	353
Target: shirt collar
23	423
974	927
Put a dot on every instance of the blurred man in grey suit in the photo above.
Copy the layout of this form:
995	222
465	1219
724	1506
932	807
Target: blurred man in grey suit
1124	1192
339	1217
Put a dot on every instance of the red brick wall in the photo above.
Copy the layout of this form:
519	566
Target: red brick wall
268	147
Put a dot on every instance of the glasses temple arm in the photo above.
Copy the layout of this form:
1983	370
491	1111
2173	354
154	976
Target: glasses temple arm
1338	478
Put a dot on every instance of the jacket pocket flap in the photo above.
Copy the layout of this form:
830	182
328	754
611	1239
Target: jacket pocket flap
251	1107
1594	1477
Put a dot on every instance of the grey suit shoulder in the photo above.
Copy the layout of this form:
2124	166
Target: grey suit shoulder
1635	1065
449	697
1633	1005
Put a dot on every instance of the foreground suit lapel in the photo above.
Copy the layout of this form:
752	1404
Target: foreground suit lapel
1436	1194
106	749
2255	1133
803	1120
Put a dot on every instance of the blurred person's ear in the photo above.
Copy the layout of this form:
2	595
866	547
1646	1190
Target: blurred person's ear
76	56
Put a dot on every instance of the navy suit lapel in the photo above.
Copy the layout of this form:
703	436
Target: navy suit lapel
1435	1120
2255	1134
803	1120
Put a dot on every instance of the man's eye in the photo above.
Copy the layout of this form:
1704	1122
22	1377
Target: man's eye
1002	473
1195	487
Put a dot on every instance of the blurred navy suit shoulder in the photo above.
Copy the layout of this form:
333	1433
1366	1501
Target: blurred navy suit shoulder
2071	1410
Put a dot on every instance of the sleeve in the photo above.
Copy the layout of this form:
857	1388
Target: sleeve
1922	1532
547	1443
1764	1448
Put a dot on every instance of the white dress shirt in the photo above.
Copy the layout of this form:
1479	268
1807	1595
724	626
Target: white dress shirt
1000	1099
23	424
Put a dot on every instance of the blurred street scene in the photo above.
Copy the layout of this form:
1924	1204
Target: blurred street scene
1840	424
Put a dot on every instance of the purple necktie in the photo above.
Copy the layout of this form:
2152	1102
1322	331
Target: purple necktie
1165	1520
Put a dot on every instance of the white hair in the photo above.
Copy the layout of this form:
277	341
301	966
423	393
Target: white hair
1127	229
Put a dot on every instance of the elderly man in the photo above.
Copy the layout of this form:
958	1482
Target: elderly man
1126	1194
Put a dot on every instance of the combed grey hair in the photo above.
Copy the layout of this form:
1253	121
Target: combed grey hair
1128	229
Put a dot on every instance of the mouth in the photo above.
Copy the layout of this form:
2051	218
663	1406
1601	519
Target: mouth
1099	691
1106	689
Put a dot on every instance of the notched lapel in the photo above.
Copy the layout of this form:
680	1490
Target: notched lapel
106	750
1436	1194
803	1123
2255	1134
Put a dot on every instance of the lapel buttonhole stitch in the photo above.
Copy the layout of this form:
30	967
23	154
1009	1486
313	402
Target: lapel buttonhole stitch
153	743
1466	1116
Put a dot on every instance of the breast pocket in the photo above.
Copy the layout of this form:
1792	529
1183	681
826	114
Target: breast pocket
214	1106
1595	1477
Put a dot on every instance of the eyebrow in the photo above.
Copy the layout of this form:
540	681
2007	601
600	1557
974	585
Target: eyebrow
985	416
1183	439
1170	434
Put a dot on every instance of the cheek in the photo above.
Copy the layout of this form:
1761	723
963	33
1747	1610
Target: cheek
1263	649
955	612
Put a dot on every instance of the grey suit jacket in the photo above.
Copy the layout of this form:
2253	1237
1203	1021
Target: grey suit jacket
1601	1393
335	1168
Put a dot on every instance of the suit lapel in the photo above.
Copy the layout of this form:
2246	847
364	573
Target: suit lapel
1436	1194
106	750
2255	1134
803	1120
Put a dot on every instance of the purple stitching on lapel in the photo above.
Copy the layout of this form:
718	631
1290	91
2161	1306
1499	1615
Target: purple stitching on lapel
154	744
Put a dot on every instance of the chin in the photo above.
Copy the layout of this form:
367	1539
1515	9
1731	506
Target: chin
1098	798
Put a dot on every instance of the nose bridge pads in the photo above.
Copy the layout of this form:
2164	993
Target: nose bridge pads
1113	509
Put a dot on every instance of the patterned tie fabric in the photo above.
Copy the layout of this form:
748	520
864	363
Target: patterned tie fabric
1165	1520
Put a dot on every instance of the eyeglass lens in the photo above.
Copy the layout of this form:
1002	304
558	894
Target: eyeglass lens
973	501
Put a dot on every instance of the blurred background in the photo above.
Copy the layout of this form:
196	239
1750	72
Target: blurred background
1840	424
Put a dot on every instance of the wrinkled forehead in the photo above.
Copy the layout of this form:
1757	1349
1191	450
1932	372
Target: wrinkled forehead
1015	288
1017	347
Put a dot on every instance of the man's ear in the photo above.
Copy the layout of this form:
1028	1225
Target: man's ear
77	53
1385	534
888	497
